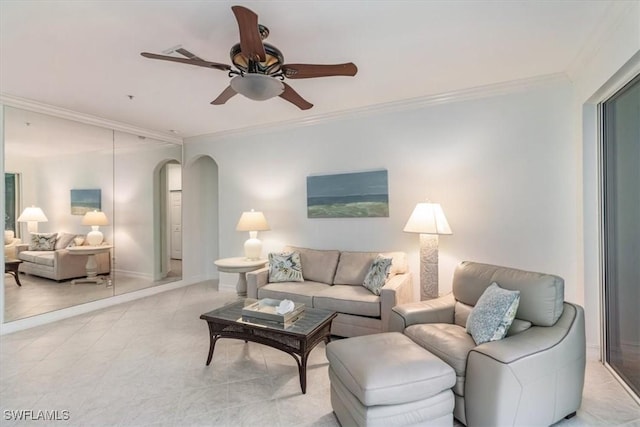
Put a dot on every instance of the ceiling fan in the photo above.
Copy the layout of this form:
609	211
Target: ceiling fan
260	68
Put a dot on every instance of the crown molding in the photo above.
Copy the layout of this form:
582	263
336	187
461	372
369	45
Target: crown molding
478	92
39	107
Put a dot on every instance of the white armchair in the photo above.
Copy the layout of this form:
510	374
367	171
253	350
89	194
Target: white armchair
10	244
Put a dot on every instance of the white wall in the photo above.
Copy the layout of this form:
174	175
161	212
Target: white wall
46	182
615	58
134	207
503	167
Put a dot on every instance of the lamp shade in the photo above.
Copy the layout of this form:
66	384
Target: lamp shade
95	218
252	221
32	214
258	87
428	218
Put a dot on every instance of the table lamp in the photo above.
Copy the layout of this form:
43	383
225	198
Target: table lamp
429	221
252	222
32	216
95	219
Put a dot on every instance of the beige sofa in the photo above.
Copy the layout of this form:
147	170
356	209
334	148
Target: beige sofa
59	264
333	281
533	376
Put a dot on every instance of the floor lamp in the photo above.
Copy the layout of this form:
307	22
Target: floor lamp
429	221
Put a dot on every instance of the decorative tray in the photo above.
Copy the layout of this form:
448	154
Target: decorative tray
265	309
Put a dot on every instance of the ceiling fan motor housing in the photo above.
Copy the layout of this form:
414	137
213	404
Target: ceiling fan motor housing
271	65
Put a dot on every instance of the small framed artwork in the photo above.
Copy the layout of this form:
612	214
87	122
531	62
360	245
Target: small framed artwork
348	195
83	201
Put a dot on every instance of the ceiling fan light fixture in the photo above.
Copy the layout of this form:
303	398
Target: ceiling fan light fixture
257	86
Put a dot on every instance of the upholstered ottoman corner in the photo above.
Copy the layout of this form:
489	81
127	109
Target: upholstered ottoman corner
389	380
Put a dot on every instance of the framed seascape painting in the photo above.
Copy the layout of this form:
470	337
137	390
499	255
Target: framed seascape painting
348	195
83	201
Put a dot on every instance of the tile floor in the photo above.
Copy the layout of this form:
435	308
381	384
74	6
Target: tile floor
39	295
143	364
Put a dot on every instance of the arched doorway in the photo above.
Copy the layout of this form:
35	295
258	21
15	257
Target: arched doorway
167	220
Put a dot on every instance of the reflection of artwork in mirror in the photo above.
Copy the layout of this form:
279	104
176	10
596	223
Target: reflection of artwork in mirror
83	201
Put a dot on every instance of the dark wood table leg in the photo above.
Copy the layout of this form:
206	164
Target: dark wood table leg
212	343
17	277
302	368
13	270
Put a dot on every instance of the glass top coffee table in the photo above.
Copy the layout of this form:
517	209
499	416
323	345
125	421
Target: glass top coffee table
297	339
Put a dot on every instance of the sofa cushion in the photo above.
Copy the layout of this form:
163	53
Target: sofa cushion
64	240
348	299
353	267
317	265
302	292
377	275
492	316
38	257
43	241
285	267
46	258
541	295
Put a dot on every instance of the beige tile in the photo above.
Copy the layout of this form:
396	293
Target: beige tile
127	365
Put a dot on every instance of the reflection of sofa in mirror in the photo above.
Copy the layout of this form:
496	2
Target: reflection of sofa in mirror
57	263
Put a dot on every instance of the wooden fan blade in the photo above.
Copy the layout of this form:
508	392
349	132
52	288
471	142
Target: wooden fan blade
307	71
226	94
185	52
293	97
198	62
250	40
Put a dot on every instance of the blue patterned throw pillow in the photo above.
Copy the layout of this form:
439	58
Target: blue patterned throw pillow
493	314
377	275
285	267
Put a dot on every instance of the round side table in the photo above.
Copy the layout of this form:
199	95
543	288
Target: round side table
92	265
240	265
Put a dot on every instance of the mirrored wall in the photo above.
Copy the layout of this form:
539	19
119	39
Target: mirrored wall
67	168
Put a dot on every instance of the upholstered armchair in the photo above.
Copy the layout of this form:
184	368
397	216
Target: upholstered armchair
10	244
533	376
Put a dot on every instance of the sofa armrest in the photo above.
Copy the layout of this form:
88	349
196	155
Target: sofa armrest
21	247
536	377
397	290
255	280
437	310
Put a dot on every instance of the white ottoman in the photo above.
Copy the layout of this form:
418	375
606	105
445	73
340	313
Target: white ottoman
389	380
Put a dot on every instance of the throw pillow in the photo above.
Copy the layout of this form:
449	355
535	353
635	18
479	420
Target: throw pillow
493	314
285	267
43	241
377	274
64	240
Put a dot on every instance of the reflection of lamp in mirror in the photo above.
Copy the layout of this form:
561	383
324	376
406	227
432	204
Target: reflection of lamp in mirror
95	219
252	222
428	220
32	216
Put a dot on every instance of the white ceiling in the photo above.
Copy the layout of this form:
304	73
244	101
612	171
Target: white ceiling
85	55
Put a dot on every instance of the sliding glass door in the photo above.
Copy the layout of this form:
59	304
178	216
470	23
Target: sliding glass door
621	231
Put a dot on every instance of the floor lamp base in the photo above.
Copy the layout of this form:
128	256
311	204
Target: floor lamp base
428	266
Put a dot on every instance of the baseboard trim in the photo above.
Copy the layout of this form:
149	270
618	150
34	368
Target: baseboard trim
593	352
